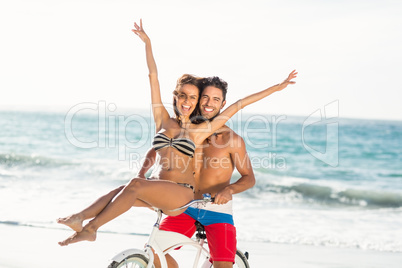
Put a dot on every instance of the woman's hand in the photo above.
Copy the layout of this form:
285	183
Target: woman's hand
140	32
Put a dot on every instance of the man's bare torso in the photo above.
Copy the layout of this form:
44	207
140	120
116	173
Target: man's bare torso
214	163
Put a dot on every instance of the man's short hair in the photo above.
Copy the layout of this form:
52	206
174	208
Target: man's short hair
214	81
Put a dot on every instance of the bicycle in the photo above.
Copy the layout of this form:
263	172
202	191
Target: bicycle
162	242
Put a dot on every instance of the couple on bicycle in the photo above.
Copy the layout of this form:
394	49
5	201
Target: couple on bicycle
209	151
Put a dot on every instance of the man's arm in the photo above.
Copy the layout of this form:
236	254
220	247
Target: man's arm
243	165
205	129
148	162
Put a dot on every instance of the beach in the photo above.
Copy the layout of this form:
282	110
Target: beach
23	246
77	118
304	210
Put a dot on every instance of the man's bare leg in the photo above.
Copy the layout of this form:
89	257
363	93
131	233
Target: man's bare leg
169	259
75	221
223	264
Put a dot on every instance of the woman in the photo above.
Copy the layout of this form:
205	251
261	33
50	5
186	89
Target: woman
171	184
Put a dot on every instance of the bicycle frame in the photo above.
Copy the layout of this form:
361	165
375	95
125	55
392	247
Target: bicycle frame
162	242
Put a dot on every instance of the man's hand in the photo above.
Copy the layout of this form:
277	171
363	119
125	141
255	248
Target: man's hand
223	196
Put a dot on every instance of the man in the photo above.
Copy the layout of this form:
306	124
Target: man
214	162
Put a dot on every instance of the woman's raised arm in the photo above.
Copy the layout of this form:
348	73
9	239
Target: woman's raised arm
206	128
159	111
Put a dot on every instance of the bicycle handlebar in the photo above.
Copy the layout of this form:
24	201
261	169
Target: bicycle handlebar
206	198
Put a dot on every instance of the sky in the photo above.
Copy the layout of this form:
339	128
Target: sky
62	53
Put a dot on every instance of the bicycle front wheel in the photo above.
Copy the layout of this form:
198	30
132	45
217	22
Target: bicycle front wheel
132	261
241	260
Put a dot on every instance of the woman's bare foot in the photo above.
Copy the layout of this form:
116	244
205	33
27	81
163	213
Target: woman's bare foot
74	222
84	235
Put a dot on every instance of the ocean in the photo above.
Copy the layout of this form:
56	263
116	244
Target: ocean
331	182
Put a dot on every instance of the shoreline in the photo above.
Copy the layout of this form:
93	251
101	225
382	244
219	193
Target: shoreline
23	246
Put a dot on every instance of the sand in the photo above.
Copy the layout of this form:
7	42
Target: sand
22	246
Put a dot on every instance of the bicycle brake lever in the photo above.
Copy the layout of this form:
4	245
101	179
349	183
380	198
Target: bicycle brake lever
207	197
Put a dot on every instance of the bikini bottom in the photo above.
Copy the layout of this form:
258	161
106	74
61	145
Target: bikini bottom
186	185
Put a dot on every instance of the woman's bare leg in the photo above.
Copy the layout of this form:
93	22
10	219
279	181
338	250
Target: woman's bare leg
75	221
162	194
